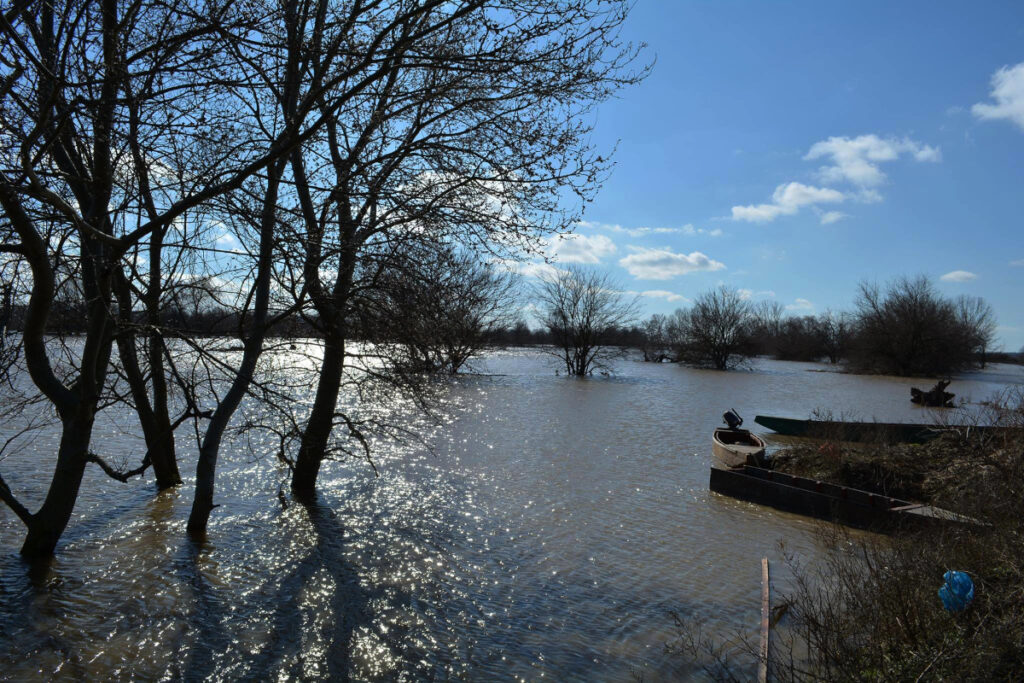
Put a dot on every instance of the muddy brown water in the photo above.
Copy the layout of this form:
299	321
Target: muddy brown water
551	533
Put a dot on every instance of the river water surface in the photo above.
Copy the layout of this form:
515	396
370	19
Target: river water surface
551	532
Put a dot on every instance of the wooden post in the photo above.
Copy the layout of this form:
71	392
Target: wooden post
762	666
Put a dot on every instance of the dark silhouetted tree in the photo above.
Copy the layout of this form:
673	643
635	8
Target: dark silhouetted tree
582	309
716	331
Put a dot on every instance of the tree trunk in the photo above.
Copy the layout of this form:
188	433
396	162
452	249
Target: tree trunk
321	419
206	467
49	522
153	418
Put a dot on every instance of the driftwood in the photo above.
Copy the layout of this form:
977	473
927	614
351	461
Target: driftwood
937	397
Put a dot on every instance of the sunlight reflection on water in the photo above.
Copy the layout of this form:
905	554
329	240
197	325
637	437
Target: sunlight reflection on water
550	533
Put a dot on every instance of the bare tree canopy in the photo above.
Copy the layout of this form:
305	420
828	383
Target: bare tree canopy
477	137
909	329
442	306
318	134
716	331
581	308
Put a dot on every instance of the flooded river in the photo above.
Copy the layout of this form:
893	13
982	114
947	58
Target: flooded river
550	533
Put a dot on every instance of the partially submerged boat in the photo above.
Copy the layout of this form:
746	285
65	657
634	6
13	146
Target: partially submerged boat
822	500
735	447
889	432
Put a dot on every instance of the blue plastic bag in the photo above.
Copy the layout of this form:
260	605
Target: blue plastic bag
957	592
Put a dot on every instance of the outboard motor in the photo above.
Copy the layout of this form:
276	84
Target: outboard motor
732	418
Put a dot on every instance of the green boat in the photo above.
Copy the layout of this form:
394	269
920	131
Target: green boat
889	432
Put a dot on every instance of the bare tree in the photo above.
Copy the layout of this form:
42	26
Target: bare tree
716	331
909	329
656	340
77	133
977	322
120	119
475	137
442	306
768	321
580	308
837	334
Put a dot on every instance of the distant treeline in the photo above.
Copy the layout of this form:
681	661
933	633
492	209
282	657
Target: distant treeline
906	329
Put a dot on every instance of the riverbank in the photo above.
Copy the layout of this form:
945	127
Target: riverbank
871	611
937	471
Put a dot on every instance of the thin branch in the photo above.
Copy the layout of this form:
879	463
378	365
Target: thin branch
8	497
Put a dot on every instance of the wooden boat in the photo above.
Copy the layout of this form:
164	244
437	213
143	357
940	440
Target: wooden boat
735	447
890	432
849	431
821	500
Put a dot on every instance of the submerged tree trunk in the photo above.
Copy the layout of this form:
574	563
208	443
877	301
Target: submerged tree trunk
48	524
153	417
321	420
206	467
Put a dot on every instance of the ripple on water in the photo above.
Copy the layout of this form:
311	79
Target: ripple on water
552	531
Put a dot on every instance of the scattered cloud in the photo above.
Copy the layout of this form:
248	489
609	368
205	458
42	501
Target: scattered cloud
800	305
576	248
787	199
228	242
537	269
644	231
856	160
959	276
1008	93
828	217
747	294
660	294
869	196
664	264
688	229
1018	262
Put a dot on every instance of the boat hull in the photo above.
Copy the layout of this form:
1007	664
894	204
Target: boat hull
821	500
735	447
853	431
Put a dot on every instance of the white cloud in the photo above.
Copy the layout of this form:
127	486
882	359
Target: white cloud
689	229
869	196
536	269
828	217
856	160
663	264
229	242
1008	93
1018	262
663	294
958	276
643	231
747	294
575	248
800	305
787	199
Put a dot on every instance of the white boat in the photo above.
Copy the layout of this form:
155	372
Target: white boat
732	447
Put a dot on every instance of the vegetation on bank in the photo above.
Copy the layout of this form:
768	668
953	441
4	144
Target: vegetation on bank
870	611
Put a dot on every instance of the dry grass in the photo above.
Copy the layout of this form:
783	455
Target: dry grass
870	611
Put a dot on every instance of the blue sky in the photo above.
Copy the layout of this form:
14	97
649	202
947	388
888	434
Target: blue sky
793	150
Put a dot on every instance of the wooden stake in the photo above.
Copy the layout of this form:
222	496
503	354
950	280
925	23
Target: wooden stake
762	666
